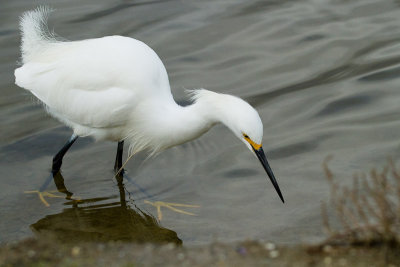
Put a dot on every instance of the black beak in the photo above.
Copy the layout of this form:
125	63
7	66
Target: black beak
261	156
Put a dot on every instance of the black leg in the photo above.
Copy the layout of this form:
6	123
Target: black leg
118	158
121	175
57	160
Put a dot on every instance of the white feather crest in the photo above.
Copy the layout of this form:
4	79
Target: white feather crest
204	94
34	31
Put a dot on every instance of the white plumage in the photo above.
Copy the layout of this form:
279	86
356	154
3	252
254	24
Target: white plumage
117	88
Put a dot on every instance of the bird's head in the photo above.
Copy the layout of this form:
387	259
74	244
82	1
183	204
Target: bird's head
243	120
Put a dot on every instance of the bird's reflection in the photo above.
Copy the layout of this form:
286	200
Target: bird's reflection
95	220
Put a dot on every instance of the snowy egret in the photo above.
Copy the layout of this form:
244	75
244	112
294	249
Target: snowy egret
116	88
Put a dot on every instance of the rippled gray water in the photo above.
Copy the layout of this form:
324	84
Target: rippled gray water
323	74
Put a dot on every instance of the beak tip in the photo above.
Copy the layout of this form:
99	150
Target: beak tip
279	193
261	156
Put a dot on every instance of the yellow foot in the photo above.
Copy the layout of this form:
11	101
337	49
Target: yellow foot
159	204
43	194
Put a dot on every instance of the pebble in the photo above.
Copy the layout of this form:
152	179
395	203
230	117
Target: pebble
328	260
241	250
342	262
31	253
327	248
121	254
270	246
170	246
181	256
274	254
75	251
100	247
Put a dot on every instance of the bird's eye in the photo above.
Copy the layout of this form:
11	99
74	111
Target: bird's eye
246	136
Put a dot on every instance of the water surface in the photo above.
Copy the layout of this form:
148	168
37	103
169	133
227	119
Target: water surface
323	75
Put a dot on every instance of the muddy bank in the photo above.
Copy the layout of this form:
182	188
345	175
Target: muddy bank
247	253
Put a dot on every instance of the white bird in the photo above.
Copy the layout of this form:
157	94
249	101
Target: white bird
116	88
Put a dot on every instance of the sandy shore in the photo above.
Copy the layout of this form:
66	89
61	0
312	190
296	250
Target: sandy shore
248	253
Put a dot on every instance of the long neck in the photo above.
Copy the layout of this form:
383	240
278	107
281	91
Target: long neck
183	124
170	125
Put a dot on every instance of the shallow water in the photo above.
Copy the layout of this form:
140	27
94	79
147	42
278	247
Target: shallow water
322	74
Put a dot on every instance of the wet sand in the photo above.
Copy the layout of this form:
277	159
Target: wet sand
33	252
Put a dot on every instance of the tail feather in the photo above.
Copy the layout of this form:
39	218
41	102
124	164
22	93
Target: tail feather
34	31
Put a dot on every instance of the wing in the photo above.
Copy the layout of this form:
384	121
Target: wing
96	82
102	108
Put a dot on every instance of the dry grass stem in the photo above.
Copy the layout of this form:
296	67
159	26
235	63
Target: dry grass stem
368	212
